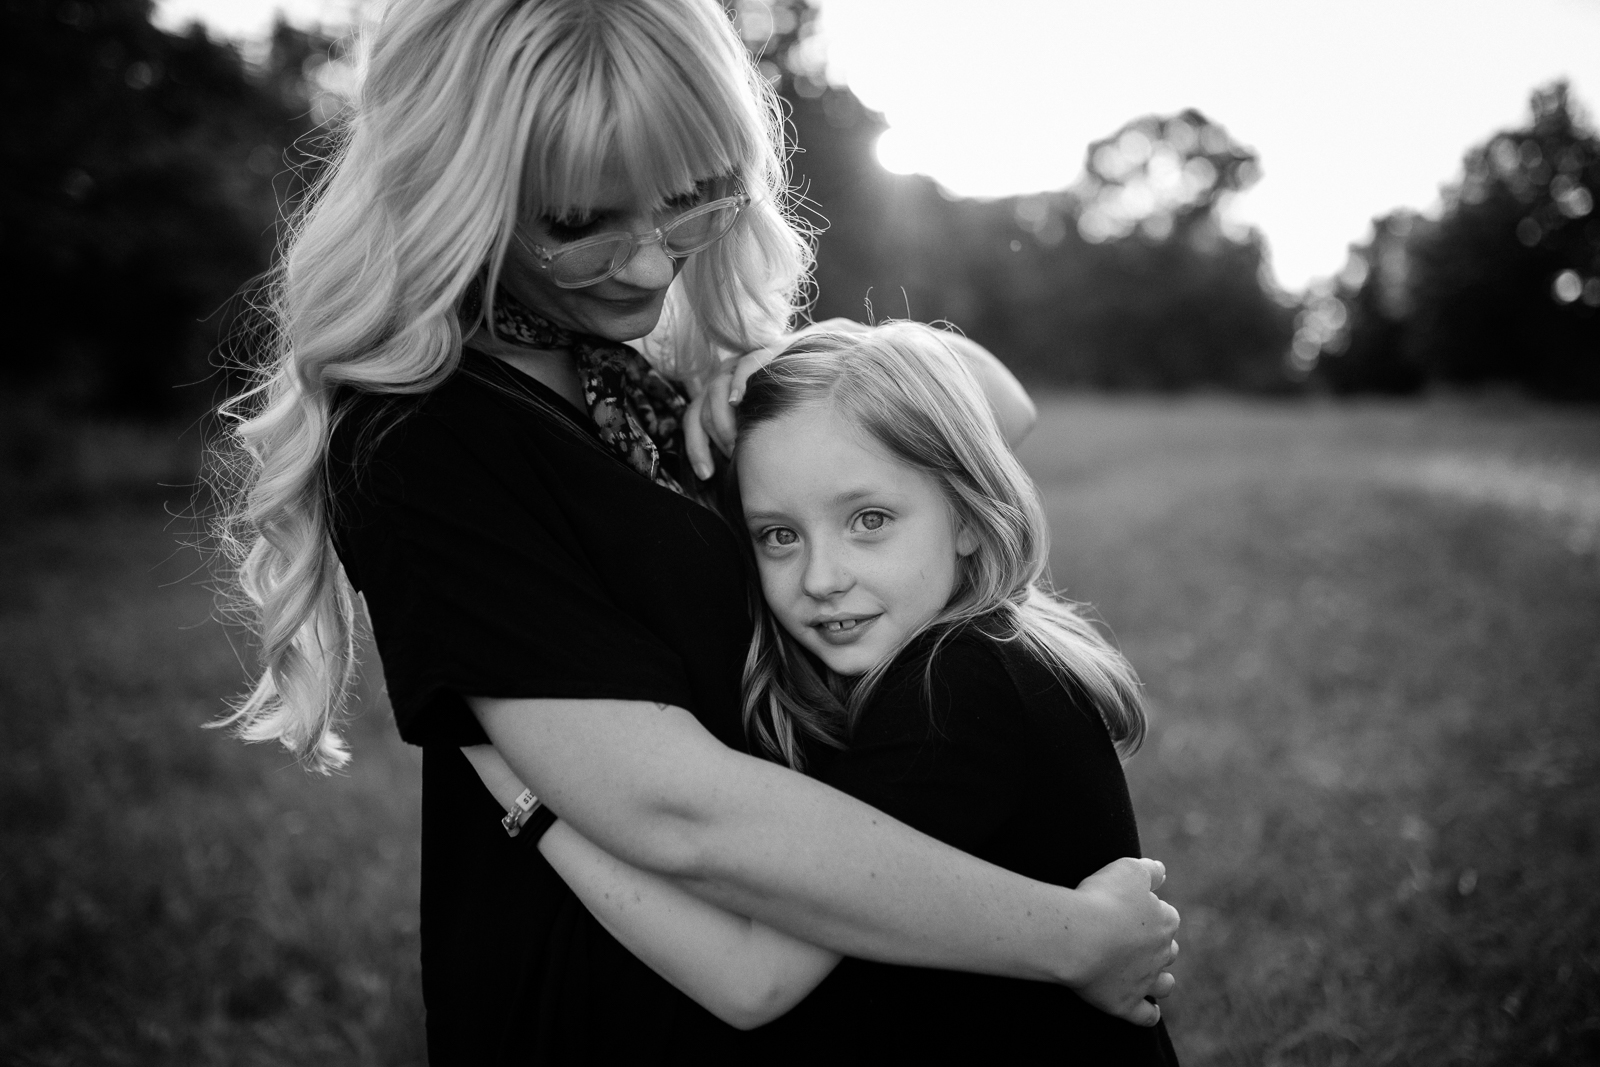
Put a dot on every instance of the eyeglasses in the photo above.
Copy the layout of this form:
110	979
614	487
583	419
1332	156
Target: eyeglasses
594	259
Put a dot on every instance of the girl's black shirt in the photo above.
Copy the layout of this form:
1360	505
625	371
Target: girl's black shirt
503	553
992	754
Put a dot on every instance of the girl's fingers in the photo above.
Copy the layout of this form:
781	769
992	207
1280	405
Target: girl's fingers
1158	872
1164	984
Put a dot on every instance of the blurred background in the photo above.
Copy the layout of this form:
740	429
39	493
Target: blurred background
1320	442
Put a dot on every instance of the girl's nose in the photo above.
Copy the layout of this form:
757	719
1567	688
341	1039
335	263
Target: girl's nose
825	575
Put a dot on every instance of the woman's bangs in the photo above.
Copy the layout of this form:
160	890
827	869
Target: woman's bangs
678	122
569	148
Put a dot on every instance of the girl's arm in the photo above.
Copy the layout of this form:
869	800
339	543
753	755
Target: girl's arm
743	972
650	786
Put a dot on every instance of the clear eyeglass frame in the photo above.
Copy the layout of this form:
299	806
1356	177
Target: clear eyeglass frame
594	259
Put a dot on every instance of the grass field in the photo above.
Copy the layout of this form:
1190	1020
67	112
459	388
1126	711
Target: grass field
1371	638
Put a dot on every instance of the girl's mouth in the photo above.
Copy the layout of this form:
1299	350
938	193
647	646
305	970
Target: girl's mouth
843	631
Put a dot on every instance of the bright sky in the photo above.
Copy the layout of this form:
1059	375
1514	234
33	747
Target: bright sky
1355	106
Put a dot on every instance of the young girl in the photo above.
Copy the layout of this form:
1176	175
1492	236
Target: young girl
910	655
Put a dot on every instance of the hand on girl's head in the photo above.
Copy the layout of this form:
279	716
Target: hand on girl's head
710	421
857	551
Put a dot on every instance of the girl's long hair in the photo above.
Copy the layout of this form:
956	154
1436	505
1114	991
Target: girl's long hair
469	115
909	390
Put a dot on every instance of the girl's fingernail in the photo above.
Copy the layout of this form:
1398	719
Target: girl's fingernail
702	472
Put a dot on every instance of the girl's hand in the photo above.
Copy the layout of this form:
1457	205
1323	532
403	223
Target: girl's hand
1135	929
709	419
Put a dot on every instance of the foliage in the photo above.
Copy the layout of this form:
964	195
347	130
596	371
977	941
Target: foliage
138	195
1504	287
1128	280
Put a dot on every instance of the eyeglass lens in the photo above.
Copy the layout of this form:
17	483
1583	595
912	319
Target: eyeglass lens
689	233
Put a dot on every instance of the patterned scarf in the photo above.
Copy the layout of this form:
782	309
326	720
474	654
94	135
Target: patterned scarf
637	411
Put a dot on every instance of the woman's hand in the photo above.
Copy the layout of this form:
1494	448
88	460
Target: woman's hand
1135	930
709	419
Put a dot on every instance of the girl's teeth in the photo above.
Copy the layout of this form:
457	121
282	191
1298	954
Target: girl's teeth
840	627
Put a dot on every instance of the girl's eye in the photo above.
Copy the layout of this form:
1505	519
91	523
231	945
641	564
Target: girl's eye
777	537
872	521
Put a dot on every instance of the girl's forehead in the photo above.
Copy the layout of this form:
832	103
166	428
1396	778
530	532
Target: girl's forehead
816	449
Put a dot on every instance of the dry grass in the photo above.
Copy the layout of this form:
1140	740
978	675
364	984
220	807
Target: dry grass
1371	637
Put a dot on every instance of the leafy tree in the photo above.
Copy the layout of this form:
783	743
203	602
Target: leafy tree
1503	288
1129	280
138	197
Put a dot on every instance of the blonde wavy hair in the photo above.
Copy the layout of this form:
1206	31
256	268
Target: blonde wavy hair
470	115
913	394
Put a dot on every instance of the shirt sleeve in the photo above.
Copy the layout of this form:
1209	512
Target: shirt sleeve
476	586
945	758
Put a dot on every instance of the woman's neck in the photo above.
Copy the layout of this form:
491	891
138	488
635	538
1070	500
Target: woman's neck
555	369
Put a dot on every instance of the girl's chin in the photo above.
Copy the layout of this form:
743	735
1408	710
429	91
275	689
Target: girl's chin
848	662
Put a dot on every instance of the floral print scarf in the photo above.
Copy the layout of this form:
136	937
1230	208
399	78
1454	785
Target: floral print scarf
637	411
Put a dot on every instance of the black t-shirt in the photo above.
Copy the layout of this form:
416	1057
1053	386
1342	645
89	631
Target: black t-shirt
503	552
998	759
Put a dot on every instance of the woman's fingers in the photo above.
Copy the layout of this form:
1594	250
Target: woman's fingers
751	362
719	420
695	440
708	421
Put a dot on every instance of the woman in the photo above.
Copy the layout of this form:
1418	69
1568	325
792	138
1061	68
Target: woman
533	176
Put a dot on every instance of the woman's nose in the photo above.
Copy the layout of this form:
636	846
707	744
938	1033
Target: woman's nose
825	574
649	268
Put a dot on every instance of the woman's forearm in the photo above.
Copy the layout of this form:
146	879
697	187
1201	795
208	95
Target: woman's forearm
649	785
742	971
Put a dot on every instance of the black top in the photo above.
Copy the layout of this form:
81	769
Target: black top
502	552
1000	760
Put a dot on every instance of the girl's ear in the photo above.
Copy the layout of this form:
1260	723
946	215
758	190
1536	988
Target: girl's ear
966	541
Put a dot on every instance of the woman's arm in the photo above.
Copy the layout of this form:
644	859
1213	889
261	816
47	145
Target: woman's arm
649	785
743	972
710	416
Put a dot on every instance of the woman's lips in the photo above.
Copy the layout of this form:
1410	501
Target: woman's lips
629	303
844	631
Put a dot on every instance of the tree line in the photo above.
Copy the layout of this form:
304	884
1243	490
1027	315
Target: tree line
146	172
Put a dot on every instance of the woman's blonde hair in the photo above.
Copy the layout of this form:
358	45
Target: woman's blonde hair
470	115
910	391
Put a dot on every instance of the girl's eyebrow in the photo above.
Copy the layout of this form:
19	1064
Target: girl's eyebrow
851	496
